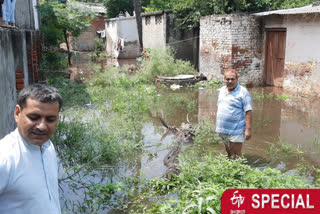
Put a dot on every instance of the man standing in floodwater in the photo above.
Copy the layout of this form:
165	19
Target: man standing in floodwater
28	162
234	114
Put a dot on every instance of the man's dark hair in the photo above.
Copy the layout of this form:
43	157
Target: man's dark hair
41	93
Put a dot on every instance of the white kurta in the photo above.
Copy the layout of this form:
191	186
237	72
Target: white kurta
28	177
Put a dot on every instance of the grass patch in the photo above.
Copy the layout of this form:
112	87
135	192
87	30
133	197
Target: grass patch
161	62
202	182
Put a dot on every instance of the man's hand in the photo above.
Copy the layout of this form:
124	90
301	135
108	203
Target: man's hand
247	134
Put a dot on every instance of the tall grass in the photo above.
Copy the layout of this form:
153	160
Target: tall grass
161	62
202	182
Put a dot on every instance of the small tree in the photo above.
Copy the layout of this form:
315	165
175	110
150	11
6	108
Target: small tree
60	20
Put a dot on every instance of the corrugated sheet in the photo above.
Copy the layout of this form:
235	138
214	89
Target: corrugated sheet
97	8
299	10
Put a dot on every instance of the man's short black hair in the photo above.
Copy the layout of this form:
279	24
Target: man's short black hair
41	93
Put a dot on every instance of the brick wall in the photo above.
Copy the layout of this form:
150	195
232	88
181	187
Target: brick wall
302	56
231	41
33	41
85	42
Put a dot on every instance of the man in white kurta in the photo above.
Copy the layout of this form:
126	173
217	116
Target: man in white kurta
28	162
29	175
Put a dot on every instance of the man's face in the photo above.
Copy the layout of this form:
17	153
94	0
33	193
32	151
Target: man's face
37	121
231	80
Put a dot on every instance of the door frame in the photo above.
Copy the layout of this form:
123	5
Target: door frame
266	49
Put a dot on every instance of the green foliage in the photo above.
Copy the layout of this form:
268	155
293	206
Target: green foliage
58	18
260	95
161	62
99	45
277	4
53	61
188	12
114	7
97	130
168	104
91	1
282	97
205	133
213	83
73	94
202	182
157	5
99	50
283	149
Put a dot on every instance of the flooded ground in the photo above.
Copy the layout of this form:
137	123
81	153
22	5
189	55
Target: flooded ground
289	124
279	123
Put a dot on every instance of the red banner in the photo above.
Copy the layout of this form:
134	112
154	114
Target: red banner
270	201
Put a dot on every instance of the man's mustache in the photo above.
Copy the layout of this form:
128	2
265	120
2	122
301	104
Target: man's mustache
39	132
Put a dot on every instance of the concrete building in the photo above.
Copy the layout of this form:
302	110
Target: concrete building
19	59
86	40
278	48
292	49
231	41
122	37
159	30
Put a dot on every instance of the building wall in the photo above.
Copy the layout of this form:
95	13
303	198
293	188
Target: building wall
126	29
231	41
154	31
85	42
185	42
19	49
302	56
159	29
26	15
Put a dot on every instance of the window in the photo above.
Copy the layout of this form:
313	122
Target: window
158	19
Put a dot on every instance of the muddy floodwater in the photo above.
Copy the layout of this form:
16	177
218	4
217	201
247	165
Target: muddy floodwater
285	130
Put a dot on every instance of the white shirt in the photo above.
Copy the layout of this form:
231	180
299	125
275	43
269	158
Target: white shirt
28	177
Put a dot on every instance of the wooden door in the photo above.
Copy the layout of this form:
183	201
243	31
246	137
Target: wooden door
275	54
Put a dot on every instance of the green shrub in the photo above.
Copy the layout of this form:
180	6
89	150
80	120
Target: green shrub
161	62
202	182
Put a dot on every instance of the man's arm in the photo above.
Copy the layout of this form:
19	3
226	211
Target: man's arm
247	133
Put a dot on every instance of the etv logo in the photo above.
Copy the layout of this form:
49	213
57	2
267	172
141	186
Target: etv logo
237	199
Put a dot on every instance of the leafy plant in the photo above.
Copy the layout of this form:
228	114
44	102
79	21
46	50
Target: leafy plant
282	97
205	133
60	20
202	182
213	83
161	62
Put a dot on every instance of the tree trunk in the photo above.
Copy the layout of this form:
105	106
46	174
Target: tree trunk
68	48
137	9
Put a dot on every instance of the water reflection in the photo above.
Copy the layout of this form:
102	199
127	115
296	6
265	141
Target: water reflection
293	122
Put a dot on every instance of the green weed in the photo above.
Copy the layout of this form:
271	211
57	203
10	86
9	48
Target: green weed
283	148
260	95
205	133
202	182
73	94
213	83
161	62
282	97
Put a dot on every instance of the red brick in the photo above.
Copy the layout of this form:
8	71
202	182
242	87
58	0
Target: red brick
20	81
19	71
20	86
19	76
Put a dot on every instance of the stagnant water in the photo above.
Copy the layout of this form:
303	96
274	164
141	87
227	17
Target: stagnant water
280	124
289	127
